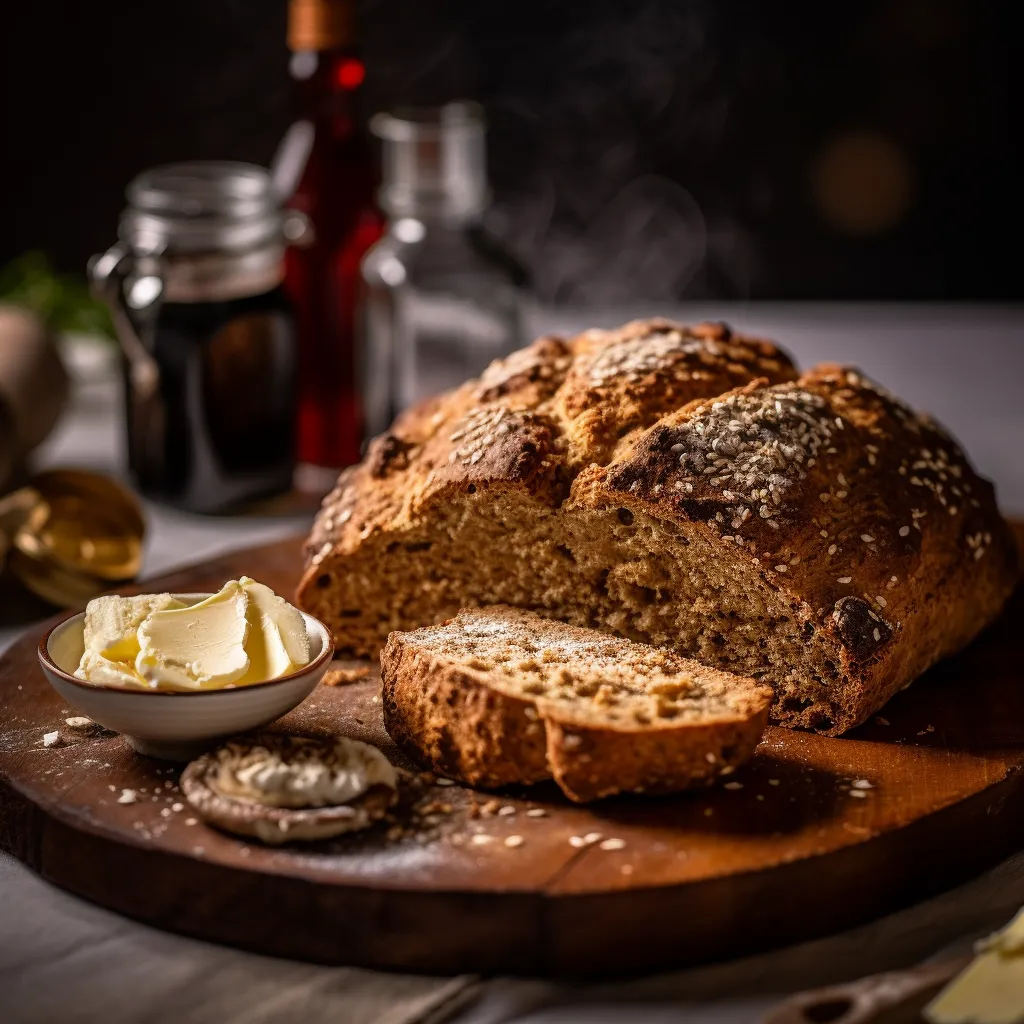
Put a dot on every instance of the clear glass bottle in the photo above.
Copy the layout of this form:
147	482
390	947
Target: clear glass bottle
441	297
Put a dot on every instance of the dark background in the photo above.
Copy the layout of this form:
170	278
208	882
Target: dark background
644	149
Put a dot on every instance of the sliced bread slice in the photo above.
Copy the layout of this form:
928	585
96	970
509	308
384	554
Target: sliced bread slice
498	696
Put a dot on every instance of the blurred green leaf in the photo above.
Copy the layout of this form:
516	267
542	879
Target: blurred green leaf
62	300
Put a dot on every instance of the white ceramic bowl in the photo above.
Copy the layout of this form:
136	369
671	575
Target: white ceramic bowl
178	726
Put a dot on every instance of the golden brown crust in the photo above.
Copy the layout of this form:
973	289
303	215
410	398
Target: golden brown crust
451	721
589	764
455	713
535	418
642	481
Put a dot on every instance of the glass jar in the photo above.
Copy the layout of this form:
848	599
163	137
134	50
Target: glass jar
441	297
195	288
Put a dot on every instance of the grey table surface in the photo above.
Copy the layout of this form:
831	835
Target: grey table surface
61	958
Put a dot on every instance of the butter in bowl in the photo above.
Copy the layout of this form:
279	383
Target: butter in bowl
174	672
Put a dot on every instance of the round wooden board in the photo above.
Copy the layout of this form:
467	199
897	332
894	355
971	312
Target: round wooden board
793	851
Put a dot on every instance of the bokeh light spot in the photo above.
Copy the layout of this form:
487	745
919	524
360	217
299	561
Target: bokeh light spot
862	183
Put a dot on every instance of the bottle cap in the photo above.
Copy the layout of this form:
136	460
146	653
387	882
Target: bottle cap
73	535
434	161
319	24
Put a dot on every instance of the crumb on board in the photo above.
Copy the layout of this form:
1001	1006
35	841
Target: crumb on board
127	796
343	675
588	840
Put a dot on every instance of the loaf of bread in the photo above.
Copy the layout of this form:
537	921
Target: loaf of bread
499	696
683	487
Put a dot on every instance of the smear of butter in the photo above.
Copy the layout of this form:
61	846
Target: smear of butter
199	647
94	668
278	643
111	638
112	623
991	989
243	634
305	778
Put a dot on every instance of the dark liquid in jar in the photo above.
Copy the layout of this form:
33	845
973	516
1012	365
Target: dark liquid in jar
221	431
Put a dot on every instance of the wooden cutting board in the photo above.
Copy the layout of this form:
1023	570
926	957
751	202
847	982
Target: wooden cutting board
797	849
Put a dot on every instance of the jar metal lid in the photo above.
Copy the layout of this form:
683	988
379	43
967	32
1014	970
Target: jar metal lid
203	206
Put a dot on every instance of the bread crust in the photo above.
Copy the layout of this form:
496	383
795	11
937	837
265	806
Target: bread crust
597	479
451	721
460	722
589	764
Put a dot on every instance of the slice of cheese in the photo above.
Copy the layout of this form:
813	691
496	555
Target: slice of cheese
991	989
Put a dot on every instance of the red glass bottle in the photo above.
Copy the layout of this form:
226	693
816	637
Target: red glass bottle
335	189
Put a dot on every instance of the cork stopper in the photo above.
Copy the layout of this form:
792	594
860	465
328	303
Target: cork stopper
320	24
